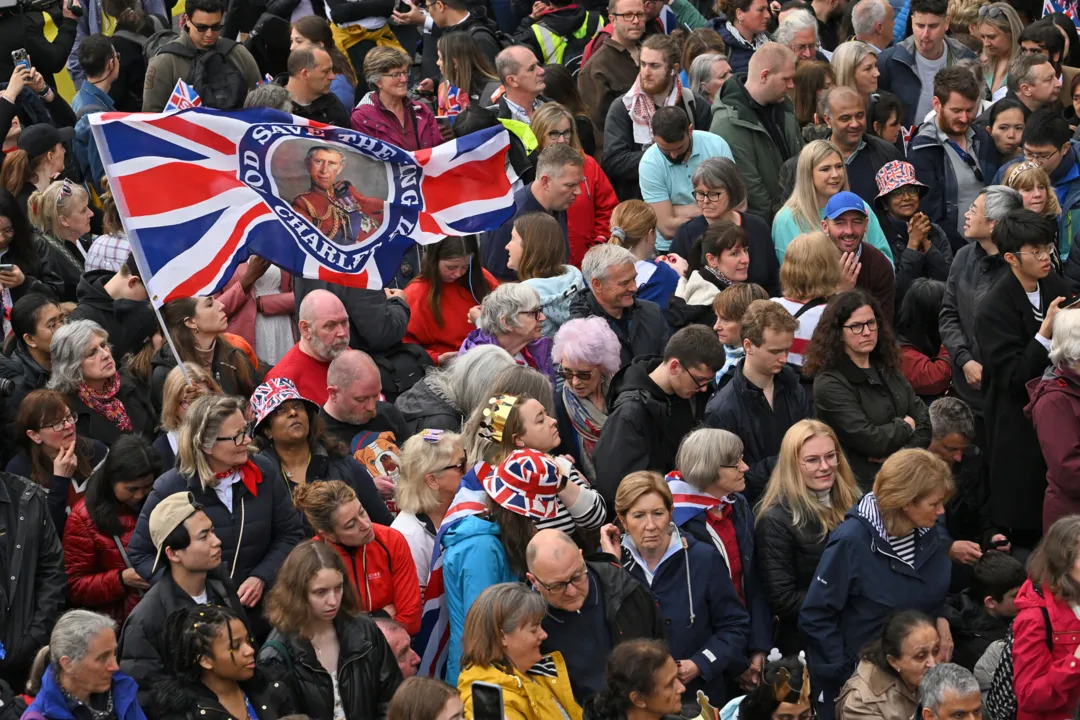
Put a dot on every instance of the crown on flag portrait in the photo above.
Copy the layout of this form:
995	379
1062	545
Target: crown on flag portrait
200	190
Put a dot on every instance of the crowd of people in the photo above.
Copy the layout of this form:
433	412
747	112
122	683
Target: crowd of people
764	402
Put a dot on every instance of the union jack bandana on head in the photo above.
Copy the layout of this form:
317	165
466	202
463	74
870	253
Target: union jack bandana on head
271	394
525	483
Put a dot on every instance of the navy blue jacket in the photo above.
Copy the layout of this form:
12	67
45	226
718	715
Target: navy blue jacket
761	636
704	620
493	252
859	582
898	74
738	51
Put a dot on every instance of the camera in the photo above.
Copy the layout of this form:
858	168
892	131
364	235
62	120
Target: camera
6	387
46	6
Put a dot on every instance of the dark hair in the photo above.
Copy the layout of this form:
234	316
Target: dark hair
1023	227
891	641
917	323
130	458
129	16
995	574
1064	22
25	314
472	118
95	52
21	250
631	668
1005	103
452	248
515	533
955	79
302	58
720	236
671	124
179	538
209	7
226	355
419	697
883	106
286	605
761	702
666	46
318	31
731	6
1044	34
1046	127
810	78
37	410
930	7
827	349
699	42
317	435
189	635
560	86
695	345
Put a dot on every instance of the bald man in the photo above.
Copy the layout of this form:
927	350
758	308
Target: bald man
757	119
592	607
356	414
324	335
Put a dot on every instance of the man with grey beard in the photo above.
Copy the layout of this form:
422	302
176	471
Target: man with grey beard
324	335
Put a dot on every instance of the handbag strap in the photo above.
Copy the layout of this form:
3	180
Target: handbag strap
124	555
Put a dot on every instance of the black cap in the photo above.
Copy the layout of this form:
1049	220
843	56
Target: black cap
39	139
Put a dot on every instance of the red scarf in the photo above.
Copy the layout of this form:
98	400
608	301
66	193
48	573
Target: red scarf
250	475
106	403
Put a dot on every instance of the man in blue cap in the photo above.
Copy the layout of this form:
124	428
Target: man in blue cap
864	266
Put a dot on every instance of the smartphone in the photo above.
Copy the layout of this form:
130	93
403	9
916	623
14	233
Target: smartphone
21	57
403	7
6	268
1070	302
487	701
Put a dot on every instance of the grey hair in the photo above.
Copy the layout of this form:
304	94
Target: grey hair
68	351
866	14
1022	69
945	678
198	433
795	21
466	380
1000	201
701	70
1065	347
72	633
499	310
950	415
702	452
554	158
720	172
506	64
326	148
599	260
269	95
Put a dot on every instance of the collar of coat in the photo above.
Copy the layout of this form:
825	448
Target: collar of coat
868	510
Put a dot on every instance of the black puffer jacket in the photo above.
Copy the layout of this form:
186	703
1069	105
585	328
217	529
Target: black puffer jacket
265	524
229	368
91	424
425	408
787	557
648	330
26	376
173	700
368	674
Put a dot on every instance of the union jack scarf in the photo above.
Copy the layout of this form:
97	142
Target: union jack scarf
689	501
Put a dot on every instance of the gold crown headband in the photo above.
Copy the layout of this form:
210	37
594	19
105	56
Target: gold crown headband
495	415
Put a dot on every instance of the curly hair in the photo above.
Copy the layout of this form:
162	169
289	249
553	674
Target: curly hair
189	636
827	346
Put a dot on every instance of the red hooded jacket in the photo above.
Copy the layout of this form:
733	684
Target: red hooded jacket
93	564
383	573
1055	412
588	221
1046	681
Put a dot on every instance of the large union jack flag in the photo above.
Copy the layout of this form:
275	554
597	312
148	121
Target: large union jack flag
200	190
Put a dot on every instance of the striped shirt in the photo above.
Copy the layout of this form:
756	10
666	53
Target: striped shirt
588	512
807	322
904	547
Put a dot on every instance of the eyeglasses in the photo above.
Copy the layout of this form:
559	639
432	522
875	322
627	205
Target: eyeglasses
459	466
59	426
216	27
239	438
536	314
1043	254
906	191
560	134
738	462
699	382
582	375
396	75
710	195
1039	157
560	587
828	459
858	328
809	47
630	16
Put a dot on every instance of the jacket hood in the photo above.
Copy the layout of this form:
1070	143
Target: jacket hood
422	400
91	290
733	95
163	358
635	377
1029	597
1064	380
697	289
469	527
552	289
562	21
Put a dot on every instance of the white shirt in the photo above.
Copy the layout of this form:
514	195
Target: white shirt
224	489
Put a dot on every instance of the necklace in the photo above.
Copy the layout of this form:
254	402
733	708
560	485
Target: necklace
290	469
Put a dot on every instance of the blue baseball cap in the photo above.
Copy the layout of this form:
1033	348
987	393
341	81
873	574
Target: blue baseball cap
843	202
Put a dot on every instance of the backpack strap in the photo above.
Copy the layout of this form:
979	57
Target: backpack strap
179	49
131	37
1049	630
87	109
810	305
282	651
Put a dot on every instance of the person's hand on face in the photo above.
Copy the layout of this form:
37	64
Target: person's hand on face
65	462
850	267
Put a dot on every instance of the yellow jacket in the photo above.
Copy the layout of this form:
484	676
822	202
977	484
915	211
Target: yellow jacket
535	695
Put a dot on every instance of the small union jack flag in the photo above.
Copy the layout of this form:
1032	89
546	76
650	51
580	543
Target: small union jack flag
455	101
526	483
183	97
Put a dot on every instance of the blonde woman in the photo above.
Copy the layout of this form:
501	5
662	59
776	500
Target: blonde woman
808	495
61	216
809	276
175	400
588	218
998	27
855	64
1034	186
819	175
633	226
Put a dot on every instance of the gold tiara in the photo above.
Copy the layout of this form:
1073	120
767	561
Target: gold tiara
495	415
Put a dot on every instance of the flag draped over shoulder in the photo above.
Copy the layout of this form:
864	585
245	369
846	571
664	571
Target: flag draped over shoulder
200	190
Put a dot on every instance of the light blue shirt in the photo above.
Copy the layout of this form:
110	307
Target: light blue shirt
785	229
661	180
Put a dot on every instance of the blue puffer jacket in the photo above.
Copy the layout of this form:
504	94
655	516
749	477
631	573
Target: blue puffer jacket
860	581
898	74
555	296
1066	182
50	702
704	619
473	560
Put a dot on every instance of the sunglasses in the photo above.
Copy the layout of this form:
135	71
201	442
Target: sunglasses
459	466
216	27
583	375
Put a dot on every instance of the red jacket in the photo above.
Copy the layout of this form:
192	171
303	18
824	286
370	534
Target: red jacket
390	576
456	301
589	219
1046	681
927	375
1055	413
93	564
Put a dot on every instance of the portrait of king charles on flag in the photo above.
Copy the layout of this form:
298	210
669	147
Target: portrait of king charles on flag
333	204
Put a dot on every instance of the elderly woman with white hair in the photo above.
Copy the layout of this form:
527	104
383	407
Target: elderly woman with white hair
1055	413
83	679
105	404
587	353
510	317
710	479
245	497
708	73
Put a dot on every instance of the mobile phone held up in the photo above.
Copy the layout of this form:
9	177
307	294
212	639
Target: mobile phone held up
21	57
6	267
487	701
